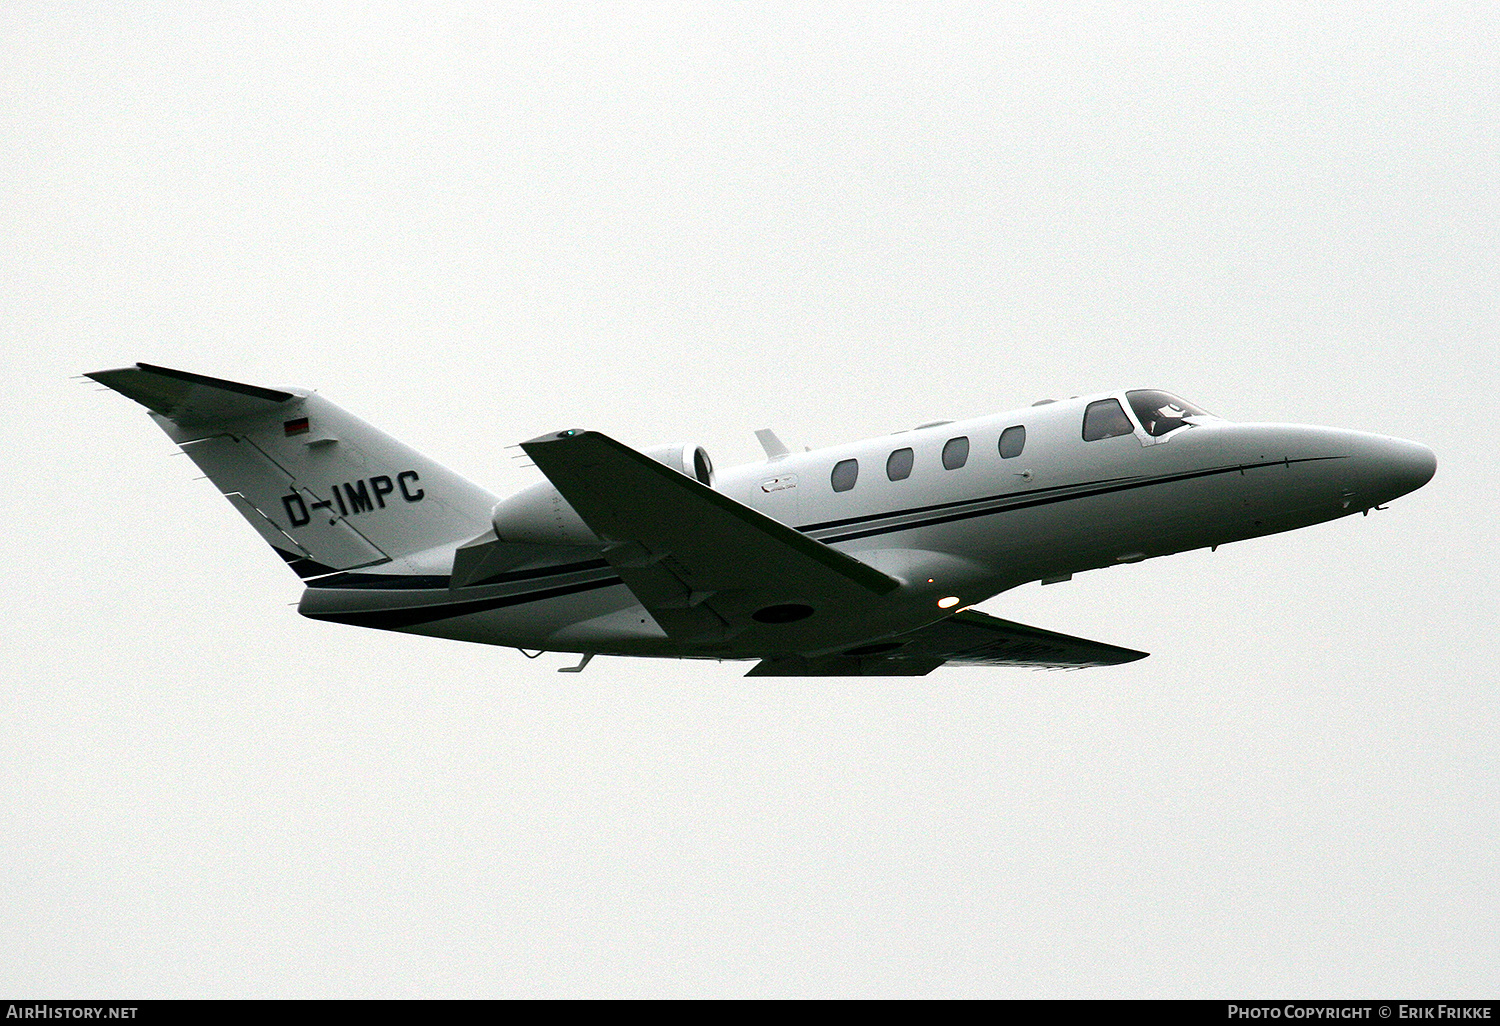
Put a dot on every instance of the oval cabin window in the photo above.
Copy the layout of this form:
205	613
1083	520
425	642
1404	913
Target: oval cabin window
845	473
956	453
1012	441
898	466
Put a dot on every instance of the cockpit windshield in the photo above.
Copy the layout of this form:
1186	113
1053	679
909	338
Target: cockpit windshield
1160	412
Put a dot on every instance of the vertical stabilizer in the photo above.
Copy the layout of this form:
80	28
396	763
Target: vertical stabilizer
326	490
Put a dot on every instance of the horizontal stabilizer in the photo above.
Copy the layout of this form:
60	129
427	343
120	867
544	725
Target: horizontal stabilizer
186	398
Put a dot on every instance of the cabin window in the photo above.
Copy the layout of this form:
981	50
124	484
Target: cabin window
956	453
898	466
1105	419
845	473
1012	441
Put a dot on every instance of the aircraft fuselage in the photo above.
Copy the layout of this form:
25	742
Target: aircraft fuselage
962	522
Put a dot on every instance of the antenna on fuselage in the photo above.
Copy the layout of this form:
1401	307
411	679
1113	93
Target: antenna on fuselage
775	448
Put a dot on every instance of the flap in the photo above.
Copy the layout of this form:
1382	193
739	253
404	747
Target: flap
705	566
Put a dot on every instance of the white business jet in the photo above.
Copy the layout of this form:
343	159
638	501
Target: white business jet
860	559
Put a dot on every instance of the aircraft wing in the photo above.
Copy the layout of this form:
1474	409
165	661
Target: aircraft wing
706	567
969	638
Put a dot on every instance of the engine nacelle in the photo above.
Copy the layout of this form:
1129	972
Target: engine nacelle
539	515
685	458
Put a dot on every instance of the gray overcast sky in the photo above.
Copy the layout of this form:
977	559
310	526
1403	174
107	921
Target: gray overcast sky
470	223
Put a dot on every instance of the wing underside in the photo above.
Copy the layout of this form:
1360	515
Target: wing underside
969	638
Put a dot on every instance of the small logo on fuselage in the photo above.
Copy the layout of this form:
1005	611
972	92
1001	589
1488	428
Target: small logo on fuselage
354	497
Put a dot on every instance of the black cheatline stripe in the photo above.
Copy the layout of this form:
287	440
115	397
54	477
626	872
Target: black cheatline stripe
437	582
1079	492
556	570
851	521
976	508
392	619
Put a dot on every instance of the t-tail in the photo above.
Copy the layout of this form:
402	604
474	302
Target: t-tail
326	490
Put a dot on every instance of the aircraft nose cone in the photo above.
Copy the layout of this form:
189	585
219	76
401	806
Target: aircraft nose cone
1403	466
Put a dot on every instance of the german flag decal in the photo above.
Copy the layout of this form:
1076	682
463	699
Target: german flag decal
296	427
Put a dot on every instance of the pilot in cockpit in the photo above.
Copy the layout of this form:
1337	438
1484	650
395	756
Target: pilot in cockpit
1161	412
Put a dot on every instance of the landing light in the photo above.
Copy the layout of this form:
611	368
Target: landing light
948	603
